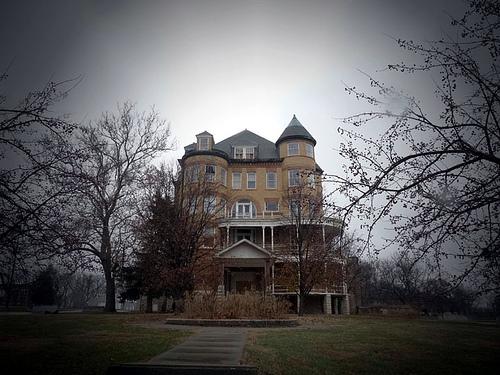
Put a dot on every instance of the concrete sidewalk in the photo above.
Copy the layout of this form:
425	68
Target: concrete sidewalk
211	347
213	351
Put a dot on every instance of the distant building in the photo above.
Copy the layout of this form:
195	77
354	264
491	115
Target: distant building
254	176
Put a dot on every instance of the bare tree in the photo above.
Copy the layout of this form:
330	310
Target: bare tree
436	178
305	264
400	280
31	135
112	154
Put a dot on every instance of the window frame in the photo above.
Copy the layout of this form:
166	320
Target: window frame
275	181
244	209
209	204
223	176
289	148
238	180
294	208
297	179
246	151
223	207
201	141
213	175
254	180
194	173
311	179
193	206
310	150
277	206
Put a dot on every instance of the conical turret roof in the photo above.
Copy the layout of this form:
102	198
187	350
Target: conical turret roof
295	130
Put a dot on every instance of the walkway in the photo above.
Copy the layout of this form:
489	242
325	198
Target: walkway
214	350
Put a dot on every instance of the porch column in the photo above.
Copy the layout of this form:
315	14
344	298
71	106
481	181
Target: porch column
265	277
345	305
335	306
327	304
272	239
223	281
272	276
227	235
263	237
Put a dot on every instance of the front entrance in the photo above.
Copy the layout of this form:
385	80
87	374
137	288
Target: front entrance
243	279
244	234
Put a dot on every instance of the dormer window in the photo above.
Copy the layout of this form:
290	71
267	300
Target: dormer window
204	143
242	152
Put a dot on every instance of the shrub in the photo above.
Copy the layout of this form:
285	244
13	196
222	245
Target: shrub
251	305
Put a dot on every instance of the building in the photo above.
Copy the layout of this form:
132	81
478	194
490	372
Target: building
252	207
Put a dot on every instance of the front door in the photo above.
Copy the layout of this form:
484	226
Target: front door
244	234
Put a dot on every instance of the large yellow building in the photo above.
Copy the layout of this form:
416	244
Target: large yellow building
252	206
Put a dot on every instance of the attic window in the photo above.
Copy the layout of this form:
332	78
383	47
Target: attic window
204	143
241	152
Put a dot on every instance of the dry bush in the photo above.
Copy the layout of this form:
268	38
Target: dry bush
252	305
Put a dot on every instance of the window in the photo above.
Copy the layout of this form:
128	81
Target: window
293	148
194	173
251	180
223	204
244	152
209	205
236	180
193	206
244	234
310	179
314	208
210	173
272	206
294	177
309	150
244	209
249	152
294	208
209	231
204	143
223	176
271	180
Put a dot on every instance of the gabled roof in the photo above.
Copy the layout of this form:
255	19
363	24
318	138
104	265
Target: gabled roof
295	130
204	134
244	249
266	149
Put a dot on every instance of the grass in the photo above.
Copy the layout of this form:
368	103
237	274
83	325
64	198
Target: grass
89	343
79	343
372	345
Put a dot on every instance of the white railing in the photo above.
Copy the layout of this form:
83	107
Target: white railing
256	215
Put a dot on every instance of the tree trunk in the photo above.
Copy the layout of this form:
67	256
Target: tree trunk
149	303
302	303
110	286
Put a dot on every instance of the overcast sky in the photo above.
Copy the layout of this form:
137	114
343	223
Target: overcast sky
218	65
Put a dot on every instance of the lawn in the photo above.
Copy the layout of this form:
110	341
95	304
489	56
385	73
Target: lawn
376	345
89	343
79	343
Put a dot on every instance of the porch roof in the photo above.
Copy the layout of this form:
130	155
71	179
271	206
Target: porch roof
244	249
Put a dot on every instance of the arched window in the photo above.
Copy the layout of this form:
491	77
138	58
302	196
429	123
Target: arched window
244	209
